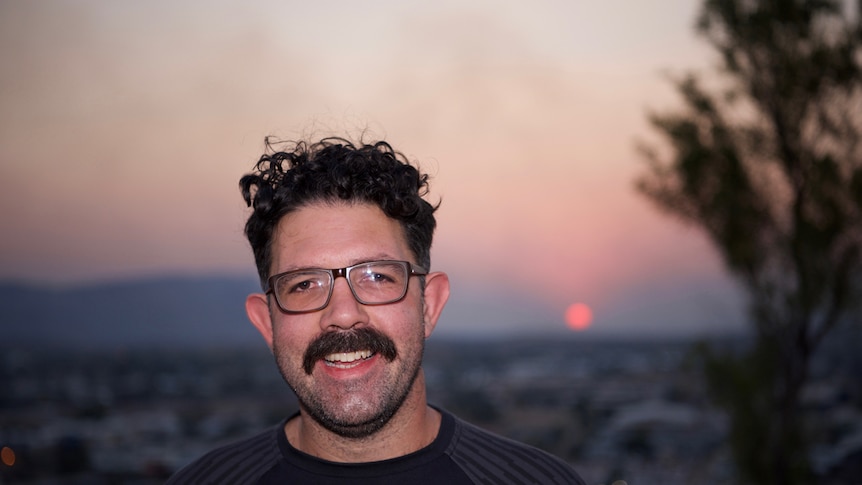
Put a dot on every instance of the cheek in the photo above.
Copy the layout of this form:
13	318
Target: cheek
290	336
405	323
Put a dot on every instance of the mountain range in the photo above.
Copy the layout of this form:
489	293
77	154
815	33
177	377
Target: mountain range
207	311
168	311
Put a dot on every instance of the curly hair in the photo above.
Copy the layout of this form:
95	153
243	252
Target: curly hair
333	170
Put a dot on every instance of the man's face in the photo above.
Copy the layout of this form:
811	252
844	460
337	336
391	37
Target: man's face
351	393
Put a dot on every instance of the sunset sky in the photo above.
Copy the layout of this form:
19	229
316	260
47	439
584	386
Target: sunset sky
125	126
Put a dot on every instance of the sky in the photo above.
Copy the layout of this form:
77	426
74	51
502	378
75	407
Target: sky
125	127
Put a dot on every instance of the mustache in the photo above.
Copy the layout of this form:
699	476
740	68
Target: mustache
348	341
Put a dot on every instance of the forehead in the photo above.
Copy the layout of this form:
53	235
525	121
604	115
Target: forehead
334	235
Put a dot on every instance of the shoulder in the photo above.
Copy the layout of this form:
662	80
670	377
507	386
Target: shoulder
487	457
240	462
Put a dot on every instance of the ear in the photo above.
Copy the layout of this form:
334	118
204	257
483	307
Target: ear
436	295
257	309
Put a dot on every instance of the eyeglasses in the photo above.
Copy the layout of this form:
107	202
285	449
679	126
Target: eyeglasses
372	283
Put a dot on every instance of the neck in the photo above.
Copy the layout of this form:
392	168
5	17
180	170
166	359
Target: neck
414	426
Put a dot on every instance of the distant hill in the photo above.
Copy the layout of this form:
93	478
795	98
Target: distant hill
169	311
209	311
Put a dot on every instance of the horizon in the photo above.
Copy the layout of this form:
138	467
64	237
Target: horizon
186	311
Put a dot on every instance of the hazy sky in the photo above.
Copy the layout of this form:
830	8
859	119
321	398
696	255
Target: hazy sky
125	126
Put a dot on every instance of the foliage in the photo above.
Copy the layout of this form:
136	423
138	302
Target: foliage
767	161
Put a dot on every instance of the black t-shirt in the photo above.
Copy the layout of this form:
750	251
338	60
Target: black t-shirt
460	454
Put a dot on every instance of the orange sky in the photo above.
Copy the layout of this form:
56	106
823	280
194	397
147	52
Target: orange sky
125	126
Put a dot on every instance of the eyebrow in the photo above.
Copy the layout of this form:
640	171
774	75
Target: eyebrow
352	262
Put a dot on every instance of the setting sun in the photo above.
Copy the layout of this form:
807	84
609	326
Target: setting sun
579	316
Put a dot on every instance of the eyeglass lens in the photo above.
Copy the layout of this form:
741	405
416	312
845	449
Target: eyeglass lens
371	283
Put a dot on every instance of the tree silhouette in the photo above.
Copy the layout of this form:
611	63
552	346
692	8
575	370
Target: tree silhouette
765	156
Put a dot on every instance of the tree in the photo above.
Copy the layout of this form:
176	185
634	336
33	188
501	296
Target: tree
767	161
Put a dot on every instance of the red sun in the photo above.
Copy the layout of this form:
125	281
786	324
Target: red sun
579	316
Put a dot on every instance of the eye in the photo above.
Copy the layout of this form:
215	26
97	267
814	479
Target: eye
380	277
372	278
301	286
302	283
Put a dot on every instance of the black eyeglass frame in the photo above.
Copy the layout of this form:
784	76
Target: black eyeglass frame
410	268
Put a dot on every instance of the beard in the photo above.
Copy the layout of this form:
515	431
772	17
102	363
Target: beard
380	408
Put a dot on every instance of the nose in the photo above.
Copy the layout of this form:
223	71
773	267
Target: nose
343	311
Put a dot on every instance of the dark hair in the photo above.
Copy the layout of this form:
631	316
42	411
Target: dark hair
333	170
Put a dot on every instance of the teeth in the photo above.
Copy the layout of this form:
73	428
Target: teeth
347	357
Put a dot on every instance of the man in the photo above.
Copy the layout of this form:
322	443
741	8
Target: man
341	237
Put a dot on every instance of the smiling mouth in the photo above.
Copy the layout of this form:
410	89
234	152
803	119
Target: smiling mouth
347	359
346	349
